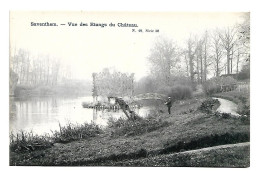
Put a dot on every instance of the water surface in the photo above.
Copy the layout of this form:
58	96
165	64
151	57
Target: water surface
227	106
43	114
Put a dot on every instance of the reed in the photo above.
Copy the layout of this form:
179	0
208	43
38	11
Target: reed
28	141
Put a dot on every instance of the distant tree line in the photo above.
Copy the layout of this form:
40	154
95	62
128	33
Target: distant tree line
214	53
37	70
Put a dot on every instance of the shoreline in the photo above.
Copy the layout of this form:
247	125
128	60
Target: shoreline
184	127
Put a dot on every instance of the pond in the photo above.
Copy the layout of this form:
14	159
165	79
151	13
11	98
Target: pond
44	114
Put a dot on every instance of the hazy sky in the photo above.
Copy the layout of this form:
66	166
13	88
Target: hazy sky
90	49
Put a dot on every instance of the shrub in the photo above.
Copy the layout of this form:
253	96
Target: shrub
245	119
128	127
244	73
244	105
219	84
208	105
27	141
176	92
72	132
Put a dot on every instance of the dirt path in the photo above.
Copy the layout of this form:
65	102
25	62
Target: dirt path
227	106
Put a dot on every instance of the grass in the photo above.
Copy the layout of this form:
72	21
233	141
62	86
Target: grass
223	156
185	127
72	132
128	127
27	141
235	96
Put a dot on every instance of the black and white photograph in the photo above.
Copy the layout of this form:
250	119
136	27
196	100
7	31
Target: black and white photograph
129	89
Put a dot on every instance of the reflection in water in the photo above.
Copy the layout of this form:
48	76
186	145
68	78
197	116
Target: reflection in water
43	115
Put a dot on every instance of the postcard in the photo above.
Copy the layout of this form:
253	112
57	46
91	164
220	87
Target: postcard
131	89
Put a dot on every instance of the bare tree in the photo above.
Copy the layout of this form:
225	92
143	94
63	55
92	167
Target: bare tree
244	36
163	58
186	64
228	41
191	51
217	51
199	60
244	31
206	55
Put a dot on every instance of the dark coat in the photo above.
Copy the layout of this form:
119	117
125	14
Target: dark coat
169	103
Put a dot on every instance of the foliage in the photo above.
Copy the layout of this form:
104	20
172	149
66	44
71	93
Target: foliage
36	70
163	58
114	83
123	127
219	84
208	105
151	84
244	31
146	84
176	92
182	128
244	73
72	132
27	141
245	119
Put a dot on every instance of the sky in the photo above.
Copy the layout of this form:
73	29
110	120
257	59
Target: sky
88	49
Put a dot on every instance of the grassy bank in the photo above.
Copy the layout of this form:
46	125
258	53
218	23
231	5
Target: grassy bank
235	155
186	128
28	142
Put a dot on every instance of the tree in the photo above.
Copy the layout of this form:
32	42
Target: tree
244	39
163	58
228	41
146	84
187	64
199	60
191	51
206	45
244	31
217	53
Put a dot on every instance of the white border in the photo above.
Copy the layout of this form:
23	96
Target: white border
133	5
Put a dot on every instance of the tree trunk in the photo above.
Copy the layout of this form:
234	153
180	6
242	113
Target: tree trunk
217	68
228	61
231	62
191	69
201	68
238	54
198	74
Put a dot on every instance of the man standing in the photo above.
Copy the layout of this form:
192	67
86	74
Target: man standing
169	104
